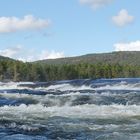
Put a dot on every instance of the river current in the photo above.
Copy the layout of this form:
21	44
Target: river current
101	109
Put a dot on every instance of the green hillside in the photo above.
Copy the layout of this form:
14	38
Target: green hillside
5	58
131	58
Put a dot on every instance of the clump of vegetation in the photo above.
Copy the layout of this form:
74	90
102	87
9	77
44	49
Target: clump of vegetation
19	71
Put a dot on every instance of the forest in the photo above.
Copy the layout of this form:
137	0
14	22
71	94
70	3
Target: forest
12	70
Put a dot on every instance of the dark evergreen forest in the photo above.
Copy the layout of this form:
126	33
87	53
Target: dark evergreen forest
18	71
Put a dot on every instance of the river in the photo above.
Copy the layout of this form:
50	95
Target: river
100	109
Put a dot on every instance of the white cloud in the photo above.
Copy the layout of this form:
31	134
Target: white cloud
131	46
50	55
123	18
20	53
28	22
96	3
11	52
41	56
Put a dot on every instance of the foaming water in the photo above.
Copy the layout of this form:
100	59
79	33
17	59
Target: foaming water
102	109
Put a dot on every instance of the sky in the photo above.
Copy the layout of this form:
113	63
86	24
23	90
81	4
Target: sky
32	30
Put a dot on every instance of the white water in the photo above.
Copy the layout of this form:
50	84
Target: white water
81	111
13	85
71	111
64	87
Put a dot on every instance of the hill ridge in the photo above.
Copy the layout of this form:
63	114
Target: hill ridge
121	57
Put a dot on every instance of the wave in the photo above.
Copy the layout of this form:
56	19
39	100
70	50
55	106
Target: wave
21	137
119	86
65	87
13	85
72	98
69	86
40	112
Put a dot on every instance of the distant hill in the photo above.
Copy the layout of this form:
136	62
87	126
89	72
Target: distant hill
5	58
124	57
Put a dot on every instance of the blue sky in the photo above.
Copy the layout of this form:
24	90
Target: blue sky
42	29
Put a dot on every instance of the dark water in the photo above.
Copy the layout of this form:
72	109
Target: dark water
71	110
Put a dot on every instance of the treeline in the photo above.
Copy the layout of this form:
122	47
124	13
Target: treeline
18	71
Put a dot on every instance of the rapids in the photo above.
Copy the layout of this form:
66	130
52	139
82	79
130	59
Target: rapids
101	109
